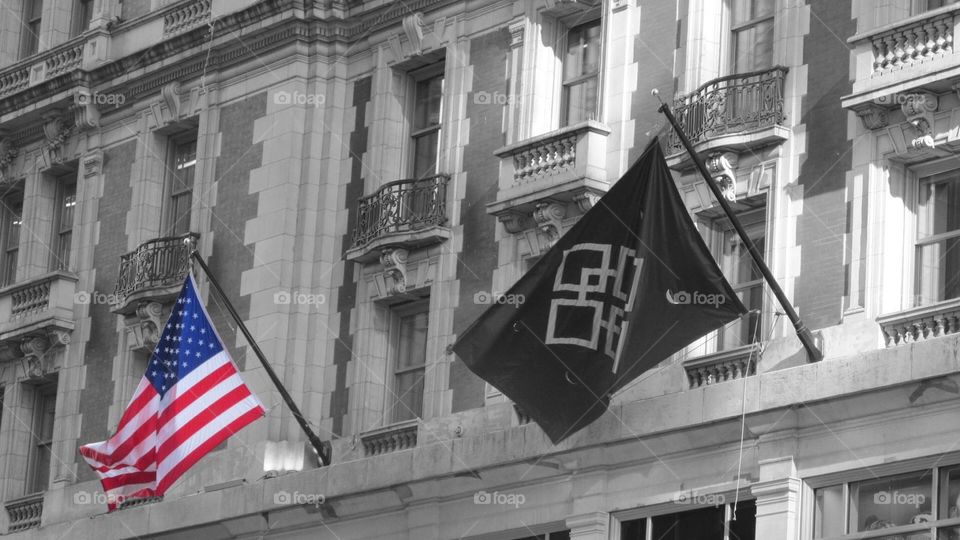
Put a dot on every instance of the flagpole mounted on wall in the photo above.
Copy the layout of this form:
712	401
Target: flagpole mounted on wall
321	448
806	338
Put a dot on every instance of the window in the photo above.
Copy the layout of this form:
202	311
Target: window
408	342
919	6
738	267
559	535
904	503
581	74
30	28
82	14
938	239
63	222
427	116
711	523
183	164
44	410
752	35
12	212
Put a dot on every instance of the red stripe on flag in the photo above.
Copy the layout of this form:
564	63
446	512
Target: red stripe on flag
195	392
208	445
198	422
138	402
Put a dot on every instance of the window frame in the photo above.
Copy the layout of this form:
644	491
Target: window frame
399	312
171	193
41	394
667	508
63	231
934	466
10	255
919	242
751	22
567	84
417	76
81	17
30	41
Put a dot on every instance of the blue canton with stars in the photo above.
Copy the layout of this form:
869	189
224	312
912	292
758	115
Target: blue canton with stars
187	341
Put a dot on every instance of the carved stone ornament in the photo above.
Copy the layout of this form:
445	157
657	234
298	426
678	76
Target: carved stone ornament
86	115
873	116
586	200
34	351
413	29
8	151
144	326
55	133
919	107
549	216
394	261
721	166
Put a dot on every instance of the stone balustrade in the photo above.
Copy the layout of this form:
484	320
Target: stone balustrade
915	41
25	513
45	301
391	439
189	16
921	323
722	366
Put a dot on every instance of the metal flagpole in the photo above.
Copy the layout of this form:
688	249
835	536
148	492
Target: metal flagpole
322	449
806	338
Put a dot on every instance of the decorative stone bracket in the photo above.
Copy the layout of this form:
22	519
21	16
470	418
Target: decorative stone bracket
417	41
919	107
8	151
547	217
168	109
86	115
394	261
144	325
33	351
55	134
722	166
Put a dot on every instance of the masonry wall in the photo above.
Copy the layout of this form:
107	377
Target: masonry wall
347	292
476	263
101	349
819	288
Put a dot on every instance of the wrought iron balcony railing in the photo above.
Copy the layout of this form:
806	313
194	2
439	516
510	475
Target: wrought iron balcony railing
161	263
400	207
729	105
25	513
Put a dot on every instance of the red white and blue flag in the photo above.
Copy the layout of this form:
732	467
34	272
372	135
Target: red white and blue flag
189	401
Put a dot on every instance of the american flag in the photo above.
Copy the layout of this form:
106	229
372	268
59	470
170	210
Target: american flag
189	401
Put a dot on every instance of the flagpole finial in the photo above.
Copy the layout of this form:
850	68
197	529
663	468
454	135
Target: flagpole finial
190	243
656	93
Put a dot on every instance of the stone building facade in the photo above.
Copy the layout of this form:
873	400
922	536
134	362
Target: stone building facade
365	177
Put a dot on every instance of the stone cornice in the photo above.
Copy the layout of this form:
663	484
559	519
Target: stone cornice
288	22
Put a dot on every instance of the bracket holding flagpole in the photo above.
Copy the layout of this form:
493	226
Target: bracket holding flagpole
321	448
803	333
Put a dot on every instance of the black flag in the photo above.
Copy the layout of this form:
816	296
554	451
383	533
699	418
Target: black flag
630	284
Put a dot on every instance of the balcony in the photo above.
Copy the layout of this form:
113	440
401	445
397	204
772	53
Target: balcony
38	306
732	113
48	65
921	323
562	166
25	513
722	366
154	271
913	54
404	214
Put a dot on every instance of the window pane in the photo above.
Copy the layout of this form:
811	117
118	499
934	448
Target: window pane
950	493
747	10
702	524
185	162
412	349
828	512
753	47
635	529
938	210
408	402
425	154
429	99
938	271
581	100
744	526
41	469
180	213
889	502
